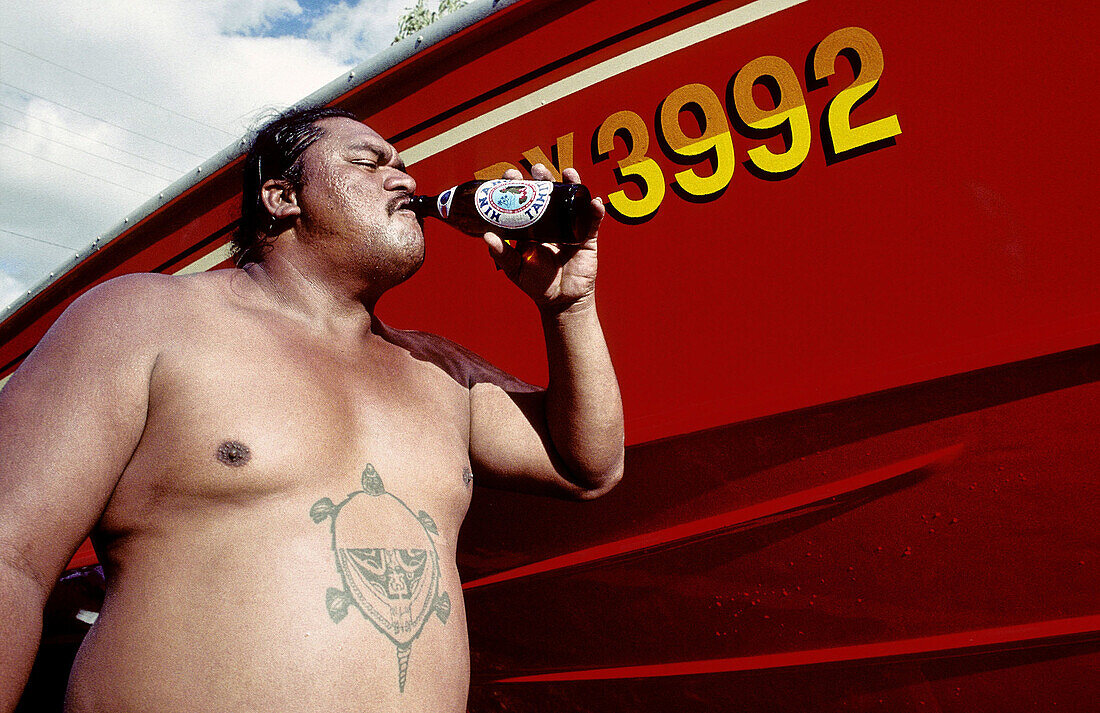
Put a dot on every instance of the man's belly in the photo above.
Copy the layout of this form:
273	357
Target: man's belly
359	623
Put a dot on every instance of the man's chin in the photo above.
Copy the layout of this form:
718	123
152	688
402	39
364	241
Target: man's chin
414	267
409	259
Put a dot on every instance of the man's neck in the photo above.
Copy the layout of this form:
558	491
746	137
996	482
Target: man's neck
327	302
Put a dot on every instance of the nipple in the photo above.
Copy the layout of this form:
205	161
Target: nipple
233	454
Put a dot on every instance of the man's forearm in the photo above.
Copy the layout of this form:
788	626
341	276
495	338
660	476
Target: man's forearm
21	602
584	410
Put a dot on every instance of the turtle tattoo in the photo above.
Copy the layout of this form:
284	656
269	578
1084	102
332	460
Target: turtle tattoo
391	576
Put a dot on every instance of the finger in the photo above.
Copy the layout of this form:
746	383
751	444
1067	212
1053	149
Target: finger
496	245
598	212
506	257
513	174
540	172
570	175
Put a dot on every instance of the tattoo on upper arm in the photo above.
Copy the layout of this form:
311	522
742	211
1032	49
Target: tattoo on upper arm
233	453
396	588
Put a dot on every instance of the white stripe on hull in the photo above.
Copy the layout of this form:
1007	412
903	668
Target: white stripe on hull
206	262
595	74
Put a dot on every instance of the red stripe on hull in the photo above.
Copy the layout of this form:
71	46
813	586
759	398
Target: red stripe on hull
1085	628
724	521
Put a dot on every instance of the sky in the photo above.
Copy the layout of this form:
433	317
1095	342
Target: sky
104	103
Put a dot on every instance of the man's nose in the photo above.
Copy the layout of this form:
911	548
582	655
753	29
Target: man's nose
400	181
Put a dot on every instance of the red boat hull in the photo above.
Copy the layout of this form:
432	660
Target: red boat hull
849	287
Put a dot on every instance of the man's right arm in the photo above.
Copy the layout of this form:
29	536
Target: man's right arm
70	419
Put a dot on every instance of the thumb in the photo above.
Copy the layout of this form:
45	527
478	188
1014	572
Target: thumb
499	251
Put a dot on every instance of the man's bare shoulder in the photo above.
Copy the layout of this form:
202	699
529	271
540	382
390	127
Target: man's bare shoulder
461	364
107	311
166	289
129	319
143	304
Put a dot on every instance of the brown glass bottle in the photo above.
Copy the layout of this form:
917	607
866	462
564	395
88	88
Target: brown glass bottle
539	211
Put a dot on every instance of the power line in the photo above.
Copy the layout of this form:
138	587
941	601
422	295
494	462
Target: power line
37	240
75	170
99	118
77	148
120	91
91	138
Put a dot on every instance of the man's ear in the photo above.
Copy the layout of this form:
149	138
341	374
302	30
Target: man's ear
280	198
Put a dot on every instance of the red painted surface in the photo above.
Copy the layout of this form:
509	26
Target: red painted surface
933	256
877	592
1039	633
798	358
790	506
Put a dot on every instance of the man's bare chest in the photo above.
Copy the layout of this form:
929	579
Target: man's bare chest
248	423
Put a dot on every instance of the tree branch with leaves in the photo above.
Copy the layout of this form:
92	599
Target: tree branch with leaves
419	16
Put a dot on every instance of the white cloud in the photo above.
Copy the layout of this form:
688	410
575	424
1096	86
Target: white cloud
10	287
244	15
348	29
215	61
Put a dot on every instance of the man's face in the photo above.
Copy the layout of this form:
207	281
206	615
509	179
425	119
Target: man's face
353	194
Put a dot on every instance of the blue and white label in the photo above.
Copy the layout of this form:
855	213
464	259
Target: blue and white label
513	204
443	202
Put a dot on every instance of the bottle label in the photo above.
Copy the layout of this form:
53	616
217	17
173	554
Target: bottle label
443	202
513	204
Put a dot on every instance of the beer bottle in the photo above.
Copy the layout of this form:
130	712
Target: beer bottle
539	211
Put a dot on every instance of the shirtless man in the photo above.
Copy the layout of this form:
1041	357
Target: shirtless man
273	479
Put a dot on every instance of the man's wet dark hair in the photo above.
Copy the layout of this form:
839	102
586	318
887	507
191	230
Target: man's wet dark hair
275	152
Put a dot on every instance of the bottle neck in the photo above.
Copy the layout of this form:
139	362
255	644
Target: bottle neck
424	206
